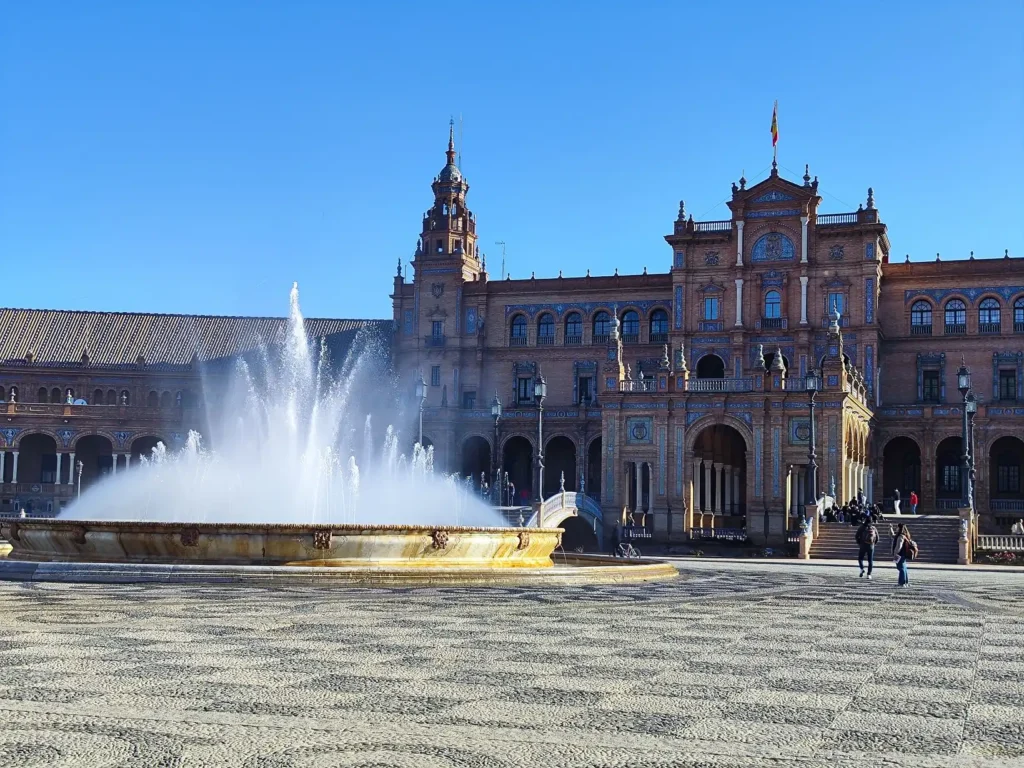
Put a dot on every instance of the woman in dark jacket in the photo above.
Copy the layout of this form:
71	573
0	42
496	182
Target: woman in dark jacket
900	552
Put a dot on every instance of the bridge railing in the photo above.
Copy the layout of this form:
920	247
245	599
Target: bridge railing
1001	543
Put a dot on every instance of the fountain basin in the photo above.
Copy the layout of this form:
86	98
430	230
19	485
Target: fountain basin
341	546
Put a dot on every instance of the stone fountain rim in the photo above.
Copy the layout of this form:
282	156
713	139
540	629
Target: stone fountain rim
56	522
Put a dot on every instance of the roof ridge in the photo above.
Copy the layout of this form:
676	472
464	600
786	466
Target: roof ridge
187	314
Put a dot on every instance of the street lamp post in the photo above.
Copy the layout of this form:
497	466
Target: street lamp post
540	391
421	395
971	408
496	413
963	382
812	382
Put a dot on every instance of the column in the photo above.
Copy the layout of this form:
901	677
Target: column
638	467
3	462
72	469
802	492
736	487
726	490
56	480
127	460
869	490
698	499
708	465
739	243
739	301
792	490
803	239
113	464
803	301
14	474
719	489
650	489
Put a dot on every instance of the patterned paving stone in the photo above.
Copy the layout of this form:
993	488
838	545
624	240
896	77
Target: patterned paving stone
759	665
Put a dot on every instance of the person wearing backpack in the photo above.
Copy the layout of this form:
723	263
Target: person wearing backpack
903	549
867	537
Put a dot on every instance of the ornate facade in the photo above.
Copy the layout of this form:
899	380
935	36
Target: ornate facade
677	398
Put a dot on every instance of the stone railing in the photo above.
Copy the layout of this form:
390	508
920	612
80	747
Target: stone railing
1001	543
719	534
713	226
945	504
94	411
720	385
644	385
1006	505
829	219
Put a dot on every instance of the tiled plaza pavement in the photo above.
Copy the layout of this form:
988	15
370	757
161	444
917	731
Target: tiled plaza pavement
737	665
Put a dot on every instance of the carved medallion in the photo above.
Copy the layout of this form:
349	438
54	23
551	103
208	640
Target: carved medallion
440	539
190	537
773	246
78	534
836	253
524	540
711	258
436	290
322	539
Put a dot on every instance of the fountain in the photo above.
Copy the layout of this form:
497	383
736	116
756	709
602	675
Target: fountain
294	485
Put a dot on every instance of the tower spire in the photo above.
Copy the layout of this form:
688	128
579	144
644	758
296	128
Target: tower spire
451	141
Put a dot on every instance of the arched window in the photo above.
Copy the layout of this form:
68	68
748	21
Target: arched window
989	313
1018	315
956	317
153	400
921	319
772	305
659	326
546	330
55	396
517	334
630	327
111	397
42	396
711	366
126	398
602	327
97	397
574	328
165	400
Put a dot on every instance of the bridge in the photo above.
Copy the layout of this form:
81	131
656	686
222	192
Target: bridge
565	504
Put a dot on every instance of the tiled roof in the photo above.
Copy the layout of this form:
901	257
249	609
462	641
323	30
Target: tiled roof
59	337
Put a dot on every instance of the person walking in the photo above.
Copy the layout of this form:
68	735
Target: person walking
867	537
903	549
896	501
1018	528
913	502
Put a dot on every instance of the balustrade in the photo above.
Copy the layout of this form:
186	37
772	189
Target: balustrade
989	328
720	385
1001	543
643	385
713	226
572	340
921	330
955	329
836	218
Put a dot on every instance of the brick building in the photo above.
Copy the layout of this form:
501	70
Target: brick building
678	400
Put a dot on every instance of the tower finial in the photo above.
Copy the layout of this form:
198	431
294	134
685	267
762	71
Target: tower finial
451	141
807	174
871	198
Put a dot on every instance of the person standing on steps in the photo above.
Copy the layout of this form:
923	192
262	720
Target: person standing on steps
903	549
896	501
913	502
1018	528
867	537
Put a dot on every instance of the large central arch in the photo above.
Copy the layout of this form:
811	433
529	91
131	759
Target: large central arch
719	471
901	468
559	460
517	462
476	460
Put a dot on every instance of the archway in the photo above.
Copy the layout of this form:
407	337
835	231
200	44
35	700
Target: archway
901	469
594	456
143	446
559	457
517	461
476	460
711	366
578	535
95	452
948	482
37	459
1006	468
720	471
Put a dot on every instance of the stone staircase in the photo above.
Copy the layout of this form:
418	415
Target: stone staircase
937	536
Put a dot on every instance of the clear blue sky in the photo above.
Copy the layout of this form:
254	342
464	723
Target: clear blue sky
199	157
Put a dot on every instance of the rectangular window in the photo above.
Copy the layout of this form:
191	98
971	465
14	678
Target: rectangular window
524	389
469	400
1007	385
710	307
437	329
951	478
1008	478
930	387
835	301
585	388
435	375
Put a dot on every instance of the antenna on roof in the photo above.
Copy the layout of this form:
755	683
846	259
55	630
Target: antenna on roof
502	244
460	141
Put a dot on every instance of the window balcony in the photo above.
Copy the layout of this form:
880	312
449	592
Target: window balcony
920	330
545	341
631	338
774	323
644	385
517	341
434	341
1018	326
659	338
600	338
989	328
573	340
956	329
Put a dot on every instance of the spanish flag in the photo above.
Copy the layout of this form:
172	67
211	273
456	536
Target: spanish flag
775	125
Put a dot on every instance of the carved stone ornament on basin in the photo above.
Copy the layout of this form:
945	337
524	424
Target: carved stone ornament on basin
56	540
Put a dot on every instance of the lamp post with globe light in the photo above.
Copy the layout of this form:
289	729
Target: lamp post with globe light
421	395
540	391
963	382
496	414
812	383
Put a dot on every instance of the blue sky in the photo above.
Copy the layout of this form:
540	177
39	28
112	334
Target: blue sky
199	157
